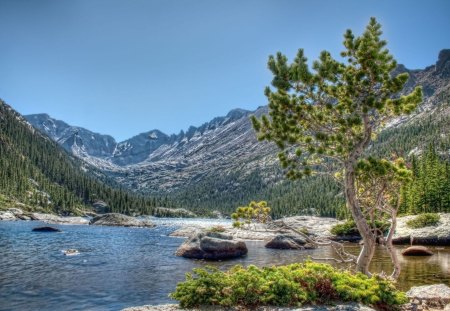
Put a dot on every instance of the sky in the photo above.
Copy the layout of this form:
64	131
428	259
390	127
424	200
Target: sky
122	67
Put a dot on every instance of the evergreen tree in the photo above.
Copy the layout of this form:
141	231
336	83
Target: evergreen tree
327	117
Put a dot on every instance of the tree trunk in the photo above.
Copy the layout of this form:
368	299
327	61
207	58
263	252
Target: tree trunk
391	248
368	249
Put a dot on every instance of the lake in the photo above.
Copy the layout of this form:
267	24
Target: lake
120	267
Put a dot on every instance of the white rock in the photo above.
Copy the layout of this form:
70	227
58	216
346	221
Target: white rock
7	216
431	293
438	235
54	219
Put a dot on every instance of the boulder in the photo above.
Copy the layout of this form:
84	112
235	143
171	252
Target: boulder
114	219
315	226
46	229
437	295
71	252
212	245
55	219
431	235
172	212
6	215
99	206
417	250
286	241
23	217
15	211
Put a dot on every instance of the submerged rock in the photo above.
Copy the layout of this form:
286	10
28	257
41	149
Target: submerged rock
285	241
417	250
71	252
46	229
212	245
115	219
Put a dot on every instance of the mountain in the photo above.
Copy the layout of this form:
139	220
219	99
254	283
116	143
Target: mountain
37	174
155	161
77	140
220	164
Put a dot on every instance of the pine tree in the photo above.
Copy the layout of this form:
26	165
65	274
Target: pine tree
327	117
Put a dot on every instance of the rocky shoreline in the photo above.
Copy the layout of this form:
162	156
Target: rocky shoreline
109	219
319	227
312	225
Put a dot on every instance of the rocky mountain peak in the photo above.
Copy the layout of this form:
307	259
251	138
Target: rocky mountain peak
443	63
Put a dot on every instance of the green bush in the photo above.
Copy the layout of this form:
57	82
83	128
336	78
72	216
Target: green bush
424	220
349	228
217	228
291	285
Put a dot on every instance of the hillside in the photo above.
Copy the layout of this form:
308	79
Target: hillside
220	164
37	174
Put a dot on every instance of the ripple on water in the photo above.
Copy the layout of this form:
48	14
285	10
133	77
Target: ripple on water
119	267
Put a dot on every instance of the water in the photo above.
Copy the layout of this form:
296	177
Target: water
120	267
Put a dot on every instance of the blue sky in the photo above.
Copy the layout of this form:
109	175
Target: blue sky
129	66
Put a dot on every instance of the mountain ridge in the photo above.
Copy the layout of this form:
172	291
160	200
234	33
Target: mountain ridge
224	154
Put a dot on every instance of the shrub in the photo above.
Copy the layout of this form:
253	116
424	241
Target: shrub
291	285
217	228
424	220
349	228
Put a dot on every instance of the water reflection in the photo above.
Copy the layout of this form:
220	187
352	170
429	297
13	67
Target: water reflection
120	267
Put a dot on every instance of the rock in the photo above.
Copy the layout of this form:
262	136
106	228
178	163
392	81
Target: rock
437	295
347	238
100	206
315	226
15	211
216	214
417	250
443	63
46	229
54	219
338	307
285	241
23	217
431	235
71	252
211	245
172	212
115	219
6	215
